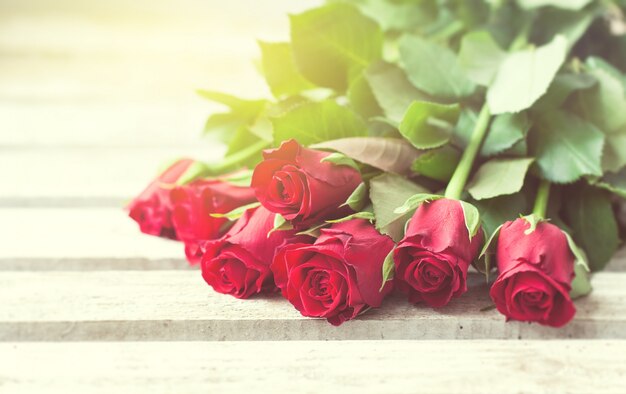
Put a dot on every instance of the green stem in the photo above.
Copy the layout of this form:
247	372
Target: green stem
461	174
541	201
234	160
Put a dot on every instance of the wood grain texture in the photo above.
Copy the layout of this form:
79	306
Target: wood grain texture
314	367
70	239
178	305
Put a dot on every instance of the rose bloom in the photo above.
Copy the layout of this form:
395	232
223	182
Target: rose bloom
337	277
536	272
239	263
432	259
192	206
152	208
294	182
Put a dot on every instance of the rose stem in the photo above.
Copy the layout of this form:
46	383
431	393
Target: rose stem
461	174
541	201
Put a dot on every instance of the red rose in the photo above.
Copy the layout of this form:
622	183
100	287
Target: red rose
337	277
294	182
152	208
432	260
536	272
192	206
239	263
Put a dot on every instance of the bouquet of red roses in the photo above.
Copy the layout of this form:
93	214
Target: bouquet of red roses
405	143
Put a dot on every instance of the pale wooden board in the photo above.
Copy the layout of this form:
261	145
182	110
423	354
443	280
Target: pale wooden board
86	176
315	367
97	238
178	305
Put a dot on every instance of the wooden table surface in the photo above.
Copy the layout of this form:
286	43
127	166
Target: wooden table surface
93	96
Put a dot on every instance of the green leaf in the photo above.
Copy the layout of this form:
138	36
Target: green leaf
562	87
496	211
331	42
570	24
362	99
480	56
429	125
490	245
438	164
231	126
388	154
604	106
397	16
387	192
590	215
237	212
318	122
434	69
565	4
392	89
389	269
613	182
413	202
566	147
240	178
234	103
195	171
524	76
340	160
499	177
314	231
358	199
280	224
533	220
472	218
505	131
280	70
581	285
358	215
483	263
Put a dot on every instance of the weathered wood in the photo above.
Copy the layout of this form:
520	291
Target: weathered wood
86	176
79	239
178	305
315	367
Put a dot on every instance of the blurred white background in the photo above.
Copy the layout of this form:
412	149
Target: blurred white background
79	77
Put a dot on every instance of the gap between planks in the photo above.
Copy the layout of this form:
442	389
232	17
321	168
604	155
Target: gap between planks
178	305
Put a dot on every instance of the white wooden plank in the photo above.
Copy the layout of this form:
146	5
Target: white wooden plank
86	176
62	239
315	367
178	305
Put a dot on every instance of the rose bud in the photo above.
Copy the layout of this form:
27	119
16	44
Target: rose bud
432	259
152	208
192	206
536	272
337	277
239	263
294	182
